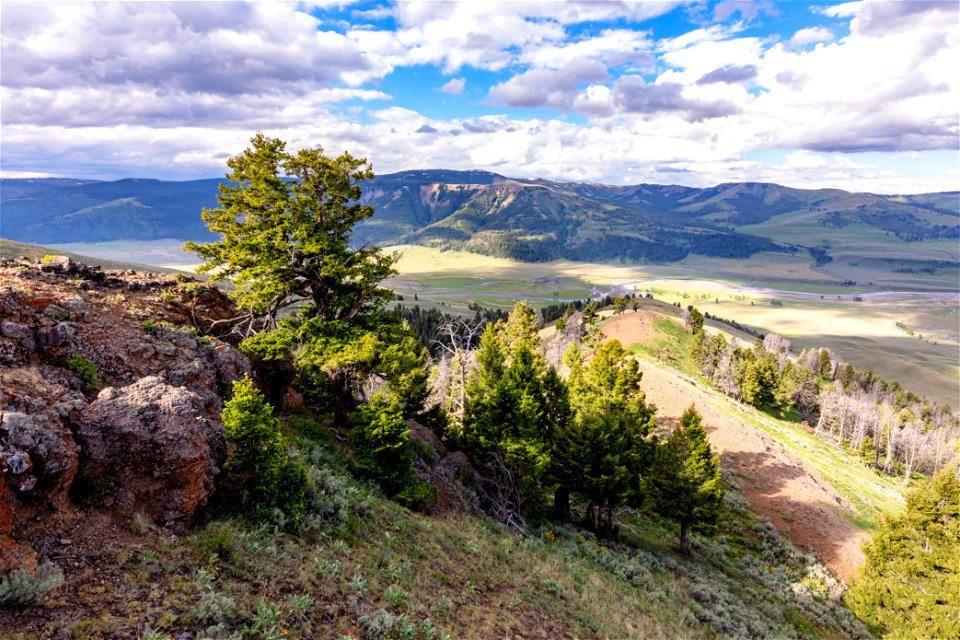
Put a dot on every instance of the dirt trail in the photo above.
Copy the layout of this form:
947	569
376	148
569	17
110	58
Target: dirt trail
779	485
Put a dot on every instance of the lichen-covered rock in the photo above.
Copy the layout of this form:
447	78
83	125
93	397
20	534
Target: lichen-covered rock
153	449
156	444
38	455
38	462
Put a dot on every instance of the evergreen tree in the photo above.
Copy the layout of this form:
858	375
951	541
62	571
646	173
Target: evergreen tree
759	381
515	406
259	474
285	222
619	305
693	319
686	479
910	584
604	454
383	452
824	364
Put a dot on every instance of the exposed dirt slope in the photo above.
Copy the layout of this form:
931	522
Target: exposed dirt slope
781	486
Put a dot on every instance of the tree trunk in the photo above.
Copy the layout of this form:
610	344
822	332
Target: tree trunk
684	542
462	358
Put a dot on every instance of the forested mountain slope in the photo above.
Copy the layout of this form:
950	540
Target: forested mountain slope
526	219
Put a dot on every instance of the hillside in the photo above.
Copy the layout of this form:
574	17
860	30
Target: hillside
816	496
537	219
57	211
116	497
11	249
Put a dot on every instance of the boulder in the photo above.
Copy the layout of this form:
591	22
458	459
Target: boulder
154	446
38	461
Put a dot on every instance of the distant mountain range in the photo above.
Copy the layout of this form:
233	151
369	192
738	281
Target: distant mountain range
492	214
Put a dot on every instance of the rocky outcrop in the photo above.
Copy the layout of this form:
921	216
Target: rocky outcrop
38	455
158	446
448	471
150	441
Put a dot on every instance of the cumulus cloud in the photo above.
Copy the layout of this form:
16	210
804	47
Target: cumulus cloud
729	75
223	48
546	88
454	86
116	89
878	18
810	35
633	95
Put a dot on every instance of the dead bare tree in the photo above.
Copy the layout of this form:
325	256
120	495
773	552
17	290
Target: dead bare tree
500	495
456	349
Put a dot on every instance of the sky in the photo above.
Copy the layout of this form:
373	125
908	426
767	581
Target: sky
857	95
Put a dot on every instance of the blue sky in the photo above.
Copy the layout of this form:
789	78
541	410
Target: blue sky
858	95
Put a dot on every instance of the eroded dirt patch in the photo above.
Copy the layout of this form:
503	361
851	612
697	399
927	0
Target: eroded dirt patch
794	496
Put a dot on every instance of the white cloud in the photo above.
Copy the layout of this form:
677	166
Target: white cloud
845	10
810	35
612	46
118	88
454	86
547	88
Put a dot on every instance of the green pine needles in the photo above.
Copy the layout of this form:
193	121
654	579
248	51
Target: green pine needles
259	472
686	481
383	452
910	585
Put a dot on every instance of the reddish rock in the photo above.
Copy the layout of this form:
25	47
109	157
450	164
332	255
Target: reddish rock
157	444
292	399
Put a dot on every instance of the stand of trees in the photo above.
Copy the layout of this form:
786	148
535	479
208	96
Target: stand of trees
589	439
285	223
910	584
890	427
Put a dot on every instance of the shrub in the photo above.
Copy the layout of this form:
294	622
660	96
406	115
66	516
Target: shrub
259	472
85	370
214	608
383	452
190	289
166	296
417	495
376	626
21	589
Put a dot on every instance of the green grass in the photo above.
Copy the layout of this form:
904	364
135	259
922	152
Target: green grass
672	345
871	493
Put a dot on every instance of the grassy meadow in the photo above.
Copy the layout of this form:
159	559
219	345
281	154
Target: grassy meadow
813	308
772	292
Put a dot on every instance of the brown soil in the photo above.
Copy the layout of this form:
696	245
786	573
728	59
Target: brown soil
794	496
631	327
